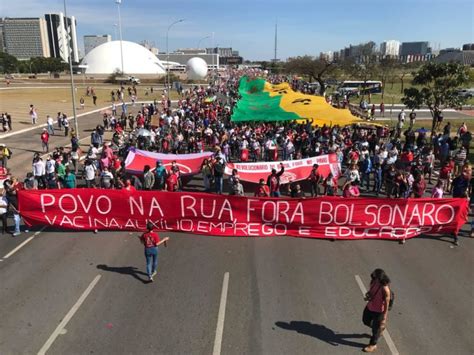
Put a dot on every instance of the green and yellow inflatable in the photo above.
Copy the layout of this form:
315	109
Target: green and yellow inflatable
262	101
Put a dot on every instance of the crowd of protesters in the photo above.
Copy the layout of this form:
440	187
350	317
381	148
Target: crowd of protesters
395	163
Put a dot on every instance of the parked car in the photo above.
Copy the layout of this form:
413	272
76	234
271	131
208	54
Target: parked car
133	80
466	93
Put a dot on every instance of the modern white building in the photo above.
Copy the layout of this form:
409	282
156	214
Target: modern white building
328	56
92	41
390	48
62	30
106	59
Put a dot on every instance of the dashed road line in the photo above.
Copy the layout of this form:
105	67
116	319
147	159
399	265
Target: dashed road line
60	329
221	316
23	243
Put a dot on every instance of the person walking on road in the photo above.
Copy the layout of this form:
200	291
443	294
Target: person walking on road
50	123
33	114
376	311
65	123
45	140
151	241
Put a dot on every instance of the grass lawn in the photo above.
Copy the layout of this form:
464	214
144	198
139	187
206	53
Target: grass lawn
50	101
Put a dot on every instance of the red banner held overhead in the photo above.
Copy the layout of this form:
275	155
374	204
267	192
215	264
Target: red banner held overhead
189	164
295	170
218	215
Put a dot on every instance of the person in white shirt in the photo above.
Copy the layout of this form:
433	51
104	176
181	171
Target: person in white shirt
3	213
90	172
50	122
66	125
39	171
33	114
50	166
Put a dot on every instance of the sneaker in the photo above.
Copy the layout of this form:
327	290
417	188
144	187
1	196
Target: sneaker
153	274
150	278
456	243
16	234
370	348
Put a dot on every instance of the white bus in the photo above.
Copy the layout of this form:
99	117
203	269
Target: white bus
360	87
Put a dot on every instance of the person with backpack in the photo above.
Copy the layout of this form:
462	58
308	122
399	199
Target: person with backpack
379	301
151	241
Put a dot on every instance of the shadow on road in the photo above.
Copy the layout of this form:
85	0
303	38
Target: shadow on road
323	333
125	270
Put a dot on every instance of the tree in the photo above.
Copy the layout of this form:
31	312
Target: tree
8	63
386	71
439	84
314	68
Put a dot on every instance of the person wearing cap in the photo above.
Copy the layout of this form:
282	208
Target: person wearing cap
151	241
262	189
45	140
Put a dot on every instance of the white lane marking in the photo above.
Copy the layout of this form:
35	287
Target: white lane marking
6	135
385	334
23	244
221	316
61	327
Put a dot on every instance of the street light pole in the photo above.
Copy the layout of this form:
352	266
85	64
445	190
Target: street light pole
119	2
73	92
168	57
202	39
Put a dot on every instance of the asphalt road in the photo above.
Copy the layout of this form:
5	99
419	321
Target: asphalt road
83	293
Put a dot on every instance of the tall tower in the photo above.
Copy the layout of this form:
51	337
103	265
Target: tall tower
275	58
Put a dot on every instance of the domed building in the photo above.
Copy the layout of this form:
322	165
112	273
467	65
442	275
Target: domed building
106	59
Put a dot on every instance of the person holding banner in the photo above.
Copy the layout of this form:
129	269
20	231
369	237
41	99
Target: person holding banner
206	171
262	189
151	241
314	180
273	181
219	174
160	176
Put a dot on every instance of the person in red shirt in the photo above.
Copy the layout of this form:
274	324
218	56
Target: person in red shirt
151	241
172	181
45	140
128	186
445	175
419	186
262	189
273	181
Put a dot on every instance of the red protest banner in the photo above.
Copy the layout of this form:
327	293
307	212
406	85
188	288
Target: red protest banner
189	164
295	170
207	214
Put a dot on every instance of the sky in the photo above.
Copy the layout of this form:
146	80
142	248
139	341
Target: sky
304	26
